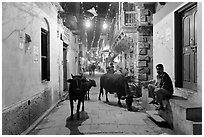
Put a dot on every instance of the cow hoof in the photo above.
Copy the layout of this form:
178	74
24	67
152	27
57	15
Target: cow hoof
130	109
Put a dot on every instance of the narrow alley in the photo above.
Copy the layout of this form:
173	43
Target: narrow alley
151	53
99	118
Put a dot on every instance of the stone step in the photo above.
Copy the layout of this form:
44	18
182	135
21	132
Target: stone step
155	116
187	116
187	110
197	128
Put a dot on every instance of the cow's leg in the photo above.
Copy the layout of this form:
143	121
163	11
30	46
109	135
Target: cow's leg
88	95
101	91
78	107
72	108
119	103
107	96
82	104
85	96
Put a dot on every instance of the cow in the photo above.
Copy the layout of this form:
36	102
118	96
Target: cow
76	92
87	86
116	83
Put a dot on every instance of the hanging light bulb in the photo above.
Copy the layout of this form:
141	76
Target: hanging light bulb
105	25
87	23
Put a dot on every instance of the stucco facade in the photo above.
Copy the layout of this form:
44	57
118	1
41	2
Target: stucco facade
25	96
164	46
184	111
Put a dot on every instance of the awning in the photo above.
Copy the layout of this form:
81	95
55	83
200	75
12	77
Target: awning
122	43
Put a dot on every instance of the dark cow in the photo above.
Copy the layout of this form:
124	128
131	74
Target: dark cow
116	83
76	93
87	86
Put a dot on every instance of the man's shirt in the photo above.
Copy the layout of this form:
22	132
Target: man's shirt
164	81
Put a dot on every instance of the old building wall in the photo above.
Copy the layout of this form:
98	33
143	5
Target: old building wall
144	44
72	56
163	50
164	47
25	95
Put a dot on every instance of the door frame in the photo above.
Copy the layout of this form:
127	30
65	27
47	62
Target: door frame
178	44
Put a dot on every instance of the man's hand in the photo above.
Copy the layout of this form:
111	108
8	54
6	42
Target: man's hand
146	83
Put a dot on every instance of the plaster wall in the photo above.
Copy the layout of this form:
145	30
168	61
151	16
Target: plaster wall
164	45
21	63
24	96
72	56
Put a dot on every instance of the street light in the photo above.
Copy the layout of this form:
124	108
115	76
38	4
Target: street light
105	26
87	23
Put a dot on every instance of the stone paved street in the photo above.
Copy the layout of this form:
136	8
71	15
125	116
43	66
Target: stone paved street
99	118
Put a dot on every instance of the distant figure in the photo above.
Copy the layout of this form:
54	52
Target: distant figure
93	67
122	71
99	68
89	68
111	68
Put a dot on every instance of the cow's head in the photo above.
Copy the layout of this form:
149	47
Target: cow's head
135	89
76	82
93	82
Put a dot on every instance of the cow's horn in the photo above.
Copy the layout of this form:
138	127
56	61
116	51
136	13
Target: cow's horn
72	75
123	97
81	74
134	96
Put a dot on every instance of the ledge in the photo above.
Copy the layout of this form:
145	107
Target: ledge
182	102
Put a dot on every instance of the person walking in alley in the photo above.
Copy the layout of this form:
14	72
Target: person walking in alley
111	68
90	70
161	88
93	67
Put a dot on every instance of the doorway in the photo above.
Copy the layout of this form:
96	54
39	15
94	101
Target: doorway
186	47
65	48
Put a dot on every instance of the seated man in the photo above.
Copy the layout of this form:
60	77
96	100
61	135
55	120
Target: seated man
162	89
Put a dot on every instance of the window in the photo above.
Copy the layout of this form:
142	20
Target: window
45	55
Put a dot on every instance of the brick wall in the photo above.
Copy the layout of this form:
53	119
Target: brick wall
144	45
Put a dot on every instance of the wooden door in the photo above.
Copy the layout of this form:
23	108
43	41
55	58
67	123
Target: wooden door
189	26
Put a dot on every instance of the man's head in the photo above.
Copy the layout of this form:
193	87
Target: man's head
160	68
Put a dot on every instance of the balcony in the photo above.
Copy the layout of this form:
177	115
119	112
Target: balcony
130	22
131	18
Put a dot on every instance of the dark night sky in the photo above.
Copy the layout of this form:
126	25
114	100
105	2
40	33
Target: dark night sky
102	9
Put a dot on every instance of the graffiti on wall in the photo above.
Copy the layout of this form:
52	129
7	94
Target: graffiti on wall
163	36
35	54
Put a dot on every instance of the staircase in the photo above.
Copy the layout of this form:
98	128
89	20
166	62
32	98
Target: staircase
187	116
182	116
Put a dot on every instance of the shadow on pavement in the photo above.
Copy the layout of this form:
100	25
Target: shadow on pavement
134	109
74	124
